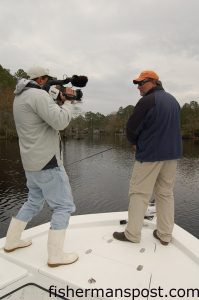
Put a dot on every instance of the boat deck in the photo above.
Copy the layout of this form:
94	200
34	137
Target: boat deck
104	263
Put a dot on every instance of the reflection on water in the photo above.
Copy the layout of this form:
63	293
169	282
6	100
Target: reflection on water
100	182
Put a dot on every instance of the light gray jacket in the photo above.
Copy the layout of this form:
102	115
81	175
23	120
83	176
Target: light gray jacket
38	120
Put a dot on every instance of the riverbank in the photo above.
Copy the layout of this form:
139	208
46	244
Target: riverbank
10	135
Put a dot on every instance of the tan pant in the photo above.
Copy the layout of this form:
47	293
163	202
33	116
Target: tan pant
151	178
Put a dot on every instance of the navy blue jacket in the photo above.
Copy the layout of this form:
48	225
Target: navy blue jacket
154	127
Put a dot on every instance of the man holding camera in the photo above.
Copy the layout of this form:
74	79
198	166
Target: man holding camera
154	130
38	120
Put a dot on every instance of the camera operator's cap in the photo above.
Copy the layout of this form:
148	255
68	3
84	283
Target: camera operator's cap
37	71
145	75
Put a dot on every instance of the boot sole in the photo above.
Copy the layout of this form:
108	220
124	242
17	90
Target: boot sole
11	250
61	264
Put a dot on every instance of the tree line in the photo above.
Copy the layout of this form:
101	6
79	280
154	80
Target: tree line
89	123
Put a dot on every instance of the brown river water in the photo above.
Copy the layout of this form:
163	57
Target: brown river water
99	182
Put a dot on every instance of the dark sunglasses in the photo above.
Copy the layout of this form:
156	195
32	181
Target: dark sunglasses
141	83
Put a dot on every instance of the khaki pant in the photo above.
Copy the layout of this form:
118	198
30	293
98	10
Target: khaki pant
151	178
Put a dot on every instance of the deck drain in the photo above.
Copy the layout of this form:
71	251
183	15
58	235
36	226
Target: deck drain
91	280
142	250
139	268
110	241
88	251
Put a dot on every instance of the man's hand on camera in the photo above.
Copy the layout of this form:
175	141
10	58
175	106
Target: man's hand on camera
68	91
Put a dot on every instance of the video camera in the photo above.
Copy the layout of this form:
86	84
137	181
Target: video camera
54	87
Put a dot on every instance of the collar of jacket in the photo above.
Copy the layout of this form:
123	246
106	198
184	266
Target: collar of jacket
31	84
156	88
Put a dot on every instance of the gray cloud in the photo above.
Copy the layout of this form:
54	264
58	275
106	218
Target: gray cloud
110	41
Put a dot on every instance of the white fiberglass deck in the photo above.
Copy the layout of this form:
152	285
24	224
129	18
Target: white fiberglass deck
104	263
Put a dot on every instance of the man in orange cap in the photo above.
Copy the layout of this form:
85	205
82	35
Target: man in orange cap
154	130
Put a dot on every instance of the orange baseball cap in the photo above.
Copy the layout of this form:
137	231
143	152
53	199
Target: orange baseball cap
144	75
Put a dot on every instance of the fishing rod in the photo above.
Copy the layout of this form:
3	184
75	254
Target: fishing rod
74	162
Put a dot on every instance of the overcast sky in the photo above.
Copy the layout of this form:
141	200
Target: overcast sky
110	41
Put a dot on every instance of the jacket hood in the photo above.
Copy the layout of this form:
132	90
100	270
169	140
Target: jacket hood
24	84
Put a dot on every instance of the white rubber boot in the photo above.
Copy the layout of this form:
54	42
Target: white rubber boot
14	232
56	256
